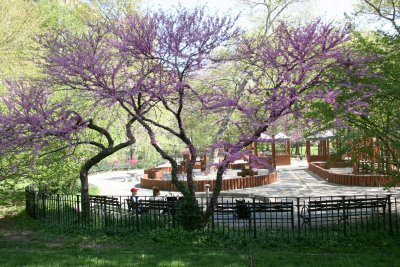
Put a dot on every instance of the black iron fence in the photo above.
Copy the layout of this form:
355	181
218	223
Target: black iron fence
268	217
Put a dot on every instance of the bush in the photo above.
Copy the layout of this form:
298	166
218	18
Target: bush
189	215
126	166
93	190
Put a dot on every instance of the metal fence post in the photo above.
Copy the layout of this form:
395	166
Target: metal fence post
58	209
34	205
254	218
344	216
78	209
44	204
390	216
298	215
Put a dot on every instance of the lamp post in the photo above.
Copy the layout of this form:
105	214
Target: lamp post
207	192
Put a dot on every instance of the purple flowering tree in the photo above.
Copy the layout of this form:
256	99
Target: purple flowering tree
145	64
178	48
297	67
137	64
37	122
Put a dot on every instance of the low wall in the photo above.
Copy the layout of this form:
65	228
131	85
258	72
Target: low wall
156	173
227	184
313	158
282	160
236	166
349	179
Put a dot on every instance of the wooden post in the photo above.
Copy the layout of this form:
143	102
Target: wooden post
327	149
273	152
308	151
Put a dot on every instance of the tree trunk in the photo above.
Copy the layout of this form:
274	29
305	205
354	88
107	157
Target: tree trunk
85	194
214	197
84	172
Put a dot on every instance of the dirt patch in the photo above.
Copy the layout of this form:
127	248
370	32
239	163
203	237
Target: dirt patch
54	244
16	236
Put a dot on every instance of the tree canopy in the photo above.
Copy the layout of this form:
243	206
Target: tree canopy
151	69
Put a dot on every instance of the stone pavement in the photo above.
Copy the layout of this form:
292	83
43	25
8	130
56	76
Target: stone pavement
293	181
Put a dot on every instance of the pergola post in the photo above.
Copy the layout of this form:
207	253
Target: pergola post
287	148
273	152
308	154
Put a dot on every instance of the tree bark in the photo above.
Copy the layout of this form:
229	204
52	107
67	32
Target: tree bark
214	197
105	152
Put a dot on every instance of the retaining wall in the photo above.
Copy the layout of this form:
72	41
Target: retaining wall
349	179
227	184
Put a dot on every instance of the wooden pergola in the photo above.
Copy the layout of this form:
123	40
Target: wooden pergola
278	159
323	146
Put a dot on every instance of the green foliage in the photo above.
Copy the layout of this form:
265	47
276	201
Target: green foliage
72	236
58	172
126	166
12	192
189	214
19	21
65	15
93	190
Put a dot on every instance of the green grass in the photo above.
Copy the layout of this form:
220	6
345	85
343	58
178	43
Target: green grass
189	258
25	242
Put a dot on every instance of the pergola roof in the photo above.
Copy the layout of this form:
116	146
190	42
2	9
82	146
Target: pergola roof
322	136
265	136
280	137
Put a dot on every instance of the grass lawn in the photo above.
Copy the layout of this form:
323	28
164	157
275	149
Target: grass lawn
25	242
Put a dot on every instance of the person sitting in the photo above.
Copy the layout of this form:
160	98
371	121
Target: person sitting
134	202
156	194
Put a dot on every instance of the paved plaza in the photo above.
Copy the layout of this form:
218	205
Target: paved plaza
293	181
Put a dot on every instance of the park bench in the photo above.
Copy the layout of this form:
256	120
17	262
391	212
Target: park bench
105	200
268	211
159	206
342	209
105	203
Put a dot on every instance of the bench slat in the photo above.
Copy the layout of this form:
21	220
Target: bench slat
343	208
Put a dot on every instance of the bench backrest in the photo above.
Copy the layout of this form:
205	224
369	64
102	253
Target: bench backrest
104	200
158	204
348	204
152	204
256	207
244	209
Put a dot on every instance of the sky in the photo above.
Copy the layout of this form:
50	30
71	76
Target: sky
329	9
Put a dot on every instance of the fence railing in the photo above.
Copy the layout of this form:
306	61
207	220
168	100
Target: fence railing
268	217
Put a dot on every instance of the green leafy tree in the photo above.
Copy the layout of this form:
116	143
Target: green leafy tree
19	21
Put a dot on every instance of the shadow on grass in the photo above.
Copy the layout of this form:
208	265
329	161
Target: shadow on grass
186	258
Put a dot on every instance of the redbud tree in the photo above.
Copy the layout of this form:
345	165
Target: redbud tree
146	64
296	67
140	64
